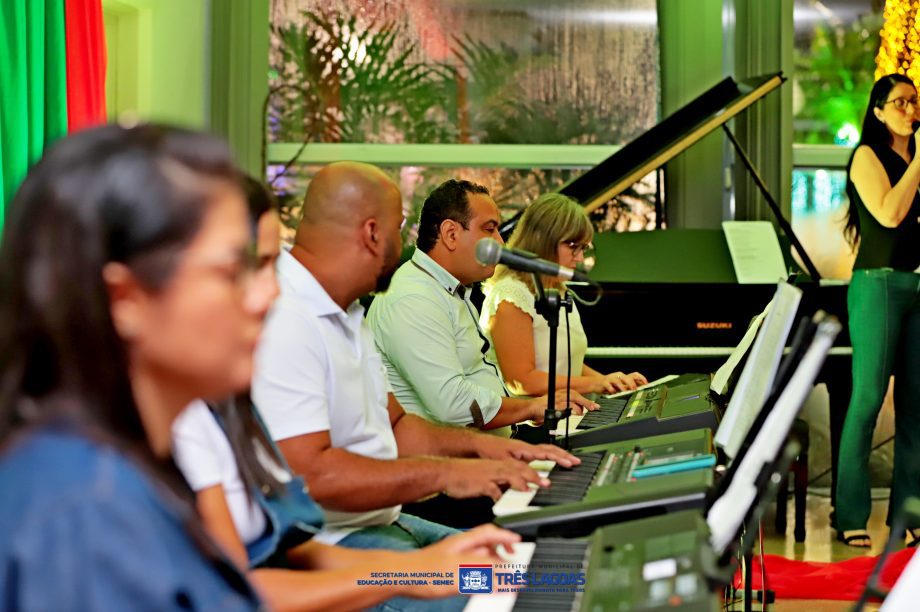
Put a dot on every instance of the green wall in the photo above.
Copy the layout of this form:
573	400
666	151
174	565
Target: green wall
158	59
166	56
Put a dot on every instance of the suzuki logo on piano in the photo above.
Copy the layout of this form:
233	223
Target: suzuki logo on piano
714	325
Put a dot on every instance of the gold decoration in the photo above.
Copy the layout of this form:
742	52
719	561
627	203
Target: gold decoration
900	46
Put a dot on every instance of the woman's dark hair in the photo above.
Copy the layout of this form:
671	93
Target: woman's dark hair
237	414
260	199
136	196
873	133
448	201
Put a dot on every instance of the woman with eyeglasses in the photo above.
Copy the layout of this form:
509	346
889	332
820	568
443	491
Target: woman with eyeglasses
556	228
262	515
883	225
122	274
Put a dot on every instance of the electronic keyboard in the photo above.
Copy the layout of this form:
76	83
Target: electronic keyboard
615	482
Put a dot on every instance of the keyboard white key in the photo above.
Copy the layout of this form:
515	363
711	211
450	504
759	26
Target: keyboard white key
512	501
502	602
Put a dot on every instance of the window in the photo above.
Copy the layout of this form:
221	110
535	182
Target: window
467	77
819	203
836	42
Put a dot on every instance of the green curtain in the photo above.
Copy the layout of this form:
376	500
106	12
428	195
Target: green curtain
33	86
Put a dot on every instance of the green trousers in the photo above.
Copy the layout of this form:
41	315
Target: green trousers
884	311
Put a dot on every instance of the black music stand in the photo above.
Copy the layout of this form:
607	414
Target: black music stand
548	303
910	510
772	477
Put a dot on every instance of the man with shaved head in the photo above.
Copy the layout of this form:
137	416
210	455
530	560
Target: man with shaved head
321	385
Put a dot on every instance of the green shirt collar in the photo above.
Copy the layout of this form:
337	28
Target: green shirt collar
436	271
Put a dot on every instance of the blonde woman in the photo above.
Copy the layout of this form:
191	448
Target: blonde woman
556	228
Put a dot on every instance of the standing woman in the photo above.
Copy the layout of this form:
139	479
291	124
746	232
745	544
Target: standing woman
556	228
884	303
122	278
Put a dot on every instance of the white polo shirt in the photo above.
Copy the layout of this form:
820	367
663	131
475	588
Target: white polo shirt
317	370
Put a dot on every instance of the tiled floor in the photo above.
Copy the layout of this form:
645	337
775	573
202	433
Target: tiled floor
821	544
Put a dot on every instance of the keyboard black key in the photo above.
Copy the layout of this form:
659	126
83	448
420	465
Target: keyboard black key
569	484
610	411
553	555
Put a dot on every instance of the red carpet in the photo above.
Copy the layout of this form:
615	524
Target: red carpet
842	580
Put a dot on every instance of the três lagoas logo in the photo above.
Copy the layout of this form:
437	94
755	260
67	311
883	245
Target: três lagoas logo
536	579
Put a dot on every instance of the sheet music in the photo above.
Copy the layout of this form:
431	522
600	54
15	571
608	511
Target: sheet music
728	512
755	252
723	375
759	371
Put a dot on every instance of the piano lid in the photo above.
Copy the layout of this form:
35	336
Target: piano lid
668	138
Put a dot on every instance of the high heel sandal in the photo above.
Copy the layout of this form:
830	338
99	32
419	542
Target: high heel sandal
857	538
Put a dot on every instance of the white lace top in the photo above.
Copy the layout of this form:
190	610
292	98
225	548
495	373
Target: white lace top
513	290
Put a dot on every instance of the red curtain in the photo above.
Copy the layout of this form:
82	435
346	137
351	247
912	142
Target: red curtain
86	63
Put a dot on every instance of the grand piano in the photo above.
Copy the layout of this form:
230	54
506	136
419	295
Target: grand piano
670	301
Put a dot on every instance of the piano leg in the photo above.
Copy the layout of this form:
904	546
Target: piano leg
801	491
782	501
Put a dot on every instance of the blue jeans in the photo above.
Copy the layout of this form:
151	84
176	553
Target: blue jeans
407	533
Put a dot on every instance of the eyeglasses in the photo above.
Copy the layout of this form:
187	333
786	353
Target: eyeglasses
902	103
578	248
239	268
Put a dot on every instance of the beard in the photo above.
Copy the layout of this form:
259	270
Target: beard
390	264
383	281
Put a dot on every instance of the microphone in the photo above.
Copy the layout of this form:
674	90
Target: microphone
490	252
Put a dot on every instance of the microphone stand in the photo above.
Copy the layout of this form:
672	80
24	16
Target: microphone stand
547	303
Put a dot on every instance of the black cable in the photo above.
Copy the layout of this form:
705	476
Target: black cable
812	480
584	302
264	143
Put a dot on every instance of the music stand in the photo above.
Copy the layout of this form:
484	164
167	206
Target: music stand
548	303
743	487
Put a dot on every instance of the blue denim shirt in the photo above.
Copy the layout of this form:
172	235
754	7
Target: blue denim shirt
82	528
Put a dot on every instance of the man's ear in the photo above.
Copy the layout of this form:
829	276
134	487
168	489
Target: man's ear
449	233
371	236
126	300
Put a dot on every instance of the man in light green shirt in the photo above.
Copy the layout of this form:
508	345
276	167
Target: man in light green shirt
427	331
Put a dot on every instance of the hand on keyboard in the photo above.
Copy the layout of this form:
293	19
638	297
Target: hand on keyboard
476	546
492	447
618	381
477	477
577	402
